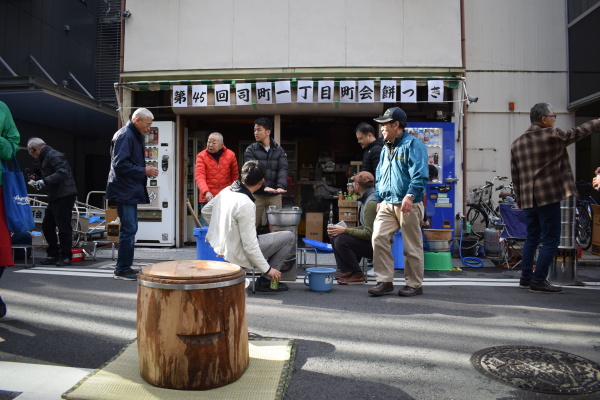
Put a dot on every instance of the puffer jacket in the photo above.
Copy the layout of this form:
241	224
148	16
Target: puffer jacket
275	162
9	135
53	167
212	175
127	177
231	230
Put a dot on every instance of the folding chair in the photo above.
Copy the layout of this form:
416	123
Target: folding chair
512	236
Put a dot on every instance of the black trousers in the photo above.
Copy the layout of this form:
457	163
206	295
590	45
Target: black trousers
348	251
59	215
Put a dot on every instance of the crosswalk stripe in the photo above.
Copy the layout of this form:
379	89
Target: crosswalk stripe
96	274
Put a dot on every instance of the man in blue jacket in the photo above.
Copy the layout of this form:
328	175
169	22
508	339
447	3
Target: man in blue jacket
400	181
127	184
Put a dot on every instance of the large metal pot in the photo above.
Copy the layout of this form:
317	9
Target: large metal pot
284	216
438	245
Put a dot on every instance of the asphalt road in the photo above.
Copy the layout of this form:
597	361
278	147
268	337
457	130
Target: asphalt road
350	345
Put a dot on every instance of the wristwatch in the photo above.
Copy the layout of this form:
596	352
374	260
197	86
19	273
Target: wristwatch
412	196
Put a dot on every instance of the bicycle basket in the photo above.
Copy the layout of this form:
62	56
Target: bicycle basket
474	195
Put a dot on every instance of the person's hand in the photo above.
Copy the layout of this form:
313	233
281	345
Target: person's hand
269	190
335	230
152	172
407	204
38	185
274	274
208	196
280	190
596	180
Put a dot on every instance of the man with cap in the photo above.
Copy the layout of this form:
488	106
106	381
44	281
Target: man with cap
350	244
401	177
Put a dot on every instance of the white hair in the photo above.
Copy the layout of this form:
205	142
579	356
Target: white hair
142	112
35	142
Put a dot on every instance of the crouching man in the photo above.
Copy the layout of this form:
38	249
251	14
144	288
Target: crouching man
231	216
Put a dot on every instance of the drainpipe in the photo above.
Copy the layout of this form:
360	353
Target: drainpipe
464	116
121	59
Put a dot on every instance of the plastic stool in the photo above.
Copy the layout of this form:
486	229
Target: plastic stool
25	247
106	242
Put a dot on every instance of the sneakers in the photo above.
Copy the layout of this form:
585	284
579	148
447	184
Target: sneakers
2	308
524	283
63	262
355	278
544	287
371	272
407	291
49	261
127	275
264	285
381	288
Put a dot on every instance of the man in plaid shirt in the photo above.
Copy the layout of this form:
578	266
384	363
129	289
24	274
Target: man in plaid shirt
542	177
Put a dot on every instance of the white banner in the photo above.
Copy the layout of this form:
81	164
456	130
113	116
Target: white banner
243	94
283	92
366	91
408	91
304	93
199	95
325	92
387	92
222	93
264	93
435	90
180	96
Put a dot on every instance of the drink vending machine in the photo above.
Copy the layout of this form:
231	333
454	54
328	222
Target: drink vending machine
441	191
156	220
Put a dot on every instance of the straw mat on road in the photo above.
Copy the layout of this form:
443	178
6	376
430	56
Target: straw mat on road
267	377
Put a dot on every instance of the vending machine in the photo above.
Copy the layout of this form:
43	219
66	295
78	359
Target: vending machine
156	220
440	196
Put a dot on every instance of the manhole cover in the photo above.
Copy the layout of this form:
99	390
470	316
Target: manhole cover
538	369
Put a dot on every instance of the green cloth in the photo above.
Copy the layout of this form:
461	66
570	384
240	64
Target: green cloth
365	232
9	135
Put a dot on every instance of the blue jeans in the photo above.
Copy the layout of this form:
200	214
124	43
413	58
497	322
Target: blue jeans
543	225
202	220
129	226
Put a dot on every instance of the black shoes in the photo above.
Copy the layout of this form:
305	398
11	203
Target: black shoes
264	285
381	288
544	287
127	275
524	283
2	308
407	291
63	262
49	261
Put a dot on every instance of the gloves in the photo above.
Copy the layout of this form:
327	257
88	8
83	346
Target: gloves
38	185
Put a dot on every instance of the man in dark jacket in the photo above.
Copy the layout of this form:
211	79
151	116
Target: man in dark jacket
371	144
127	184
274	158
52	171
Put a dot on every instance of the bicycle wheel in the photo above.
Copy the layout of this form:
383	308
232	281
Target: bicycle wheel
479	221
76	226
583	226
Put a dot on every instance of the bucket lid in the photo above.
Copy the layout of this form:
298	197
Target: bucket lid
190	269
322	270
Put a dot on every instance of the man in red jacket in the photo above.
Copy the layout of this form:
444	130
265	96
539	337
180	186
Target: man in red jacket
216	168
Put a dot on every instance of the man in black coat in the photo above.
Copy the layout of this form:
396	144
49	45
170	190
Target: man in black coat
52	172
368	139
274	159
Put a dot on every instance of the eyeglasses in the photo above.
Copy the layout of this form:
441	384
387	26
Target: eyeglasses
551	116
32	150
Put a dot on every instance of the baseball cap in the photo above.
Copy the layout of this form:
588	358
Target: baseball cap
364	178
392	114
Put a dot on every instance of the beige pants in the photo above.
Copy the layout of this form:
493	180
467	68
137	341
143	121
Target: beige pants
263	202
387	222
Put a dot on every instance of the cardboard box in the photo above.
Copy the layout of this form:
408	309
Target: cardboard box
348	214
595	230
112	232
314	226
110	214
347	203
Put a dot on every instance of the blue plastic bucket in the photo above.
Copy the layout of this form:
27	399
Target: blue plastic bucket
398	251
320	279
205	252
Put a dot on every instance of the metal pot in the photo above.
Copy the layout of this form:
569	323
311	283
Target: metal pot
438	245
284	216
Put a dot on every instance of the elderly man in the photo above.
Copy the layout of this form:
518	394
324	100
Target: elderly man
351	244
367	138
127	184
542	178
52	171
216	168
233	233
273	157
400	181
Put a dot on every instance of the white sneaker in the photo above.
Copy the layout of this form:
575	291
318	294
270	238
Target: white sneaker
371	272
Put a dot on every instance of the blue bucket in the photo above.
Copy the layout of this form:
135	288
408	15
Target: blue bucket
205	252
319	279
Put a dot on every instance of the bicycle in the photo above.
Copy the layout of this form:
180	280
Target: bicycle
583	215
482	209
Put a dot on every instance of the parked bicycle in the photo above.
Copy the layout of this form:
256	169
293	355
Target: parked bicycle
583	215
482	209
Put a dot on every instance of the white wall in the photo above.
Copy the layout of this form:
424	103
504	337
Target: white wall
516	52
170	35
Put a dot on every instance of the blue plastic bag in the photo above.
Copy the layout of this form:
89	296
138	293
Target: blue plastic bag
16	201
